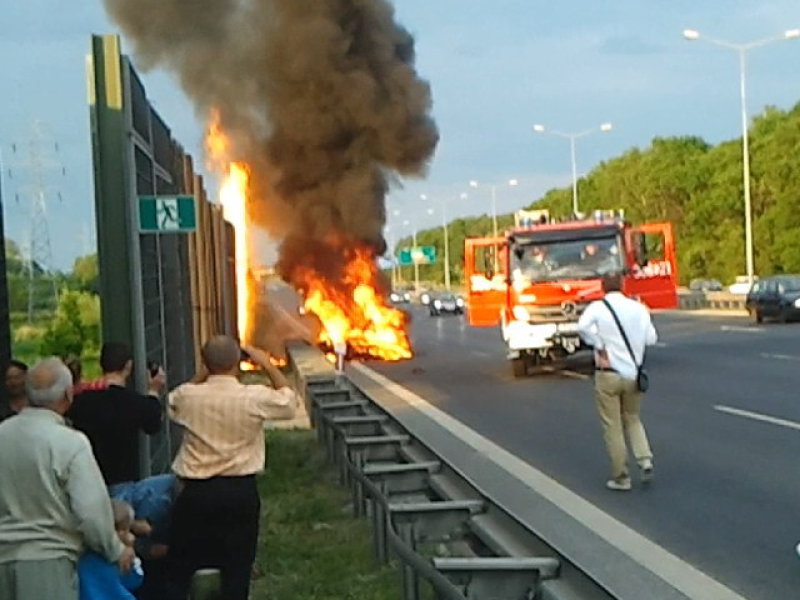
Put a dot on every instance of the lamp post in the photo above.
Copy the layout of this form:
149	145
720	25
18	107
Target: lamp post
446	241
397	270
572	137
391	243
742	49
493	186
476	185
407	223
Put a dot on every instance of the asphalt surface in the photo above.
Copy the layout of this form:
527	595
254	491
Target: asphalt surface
727	492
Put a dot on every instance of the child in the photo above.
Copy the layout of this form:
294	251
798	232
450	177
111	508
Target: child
100	579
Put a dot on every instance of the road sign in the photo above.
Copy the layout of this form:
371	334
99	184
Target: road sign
167	214
420	255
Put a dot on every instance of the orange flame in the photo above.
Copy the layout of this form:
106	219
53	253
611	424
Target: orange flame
276	361
352	312
233	197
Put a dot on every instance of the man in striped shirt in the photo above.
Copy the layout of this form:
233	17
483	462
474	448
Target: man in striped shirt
215	517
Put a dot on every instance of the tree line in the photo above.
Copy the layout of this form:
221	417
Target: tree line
696	186
52	313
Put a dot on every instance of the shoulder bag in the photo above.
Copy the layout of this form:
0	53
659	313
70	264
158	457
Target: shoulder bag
642	380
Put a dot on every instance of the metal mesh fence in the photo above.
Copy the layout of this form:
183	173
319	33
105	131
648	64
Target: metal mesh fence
162	295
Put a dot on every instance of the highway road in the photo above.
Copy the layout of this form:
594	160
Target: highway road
723	417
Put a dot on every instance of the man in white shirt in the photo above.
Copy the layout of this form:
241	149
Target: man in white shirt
616	390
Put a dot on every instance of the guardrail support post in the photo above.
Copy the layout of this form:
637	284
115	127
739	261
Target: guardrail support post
406	533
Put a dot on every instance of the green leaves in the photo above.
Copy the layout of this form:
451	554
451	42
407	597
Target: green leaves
696	186
699	188
75	327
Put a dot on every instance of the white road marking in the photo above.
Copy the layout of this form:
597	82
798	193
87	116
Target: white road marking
779	356
741	329
689	580
757	416
661	345
481	353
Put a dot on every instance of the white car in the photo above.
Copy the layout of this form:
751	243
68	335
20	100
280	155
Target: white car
399	297
741	285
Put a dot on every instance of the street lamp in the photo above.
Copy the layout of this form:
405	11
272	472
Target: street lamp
391	242
476	185
407	223
446	240
742	49
538	128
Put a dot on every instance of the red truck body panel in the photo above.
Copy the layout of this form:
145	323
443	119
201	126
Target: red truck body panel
645	254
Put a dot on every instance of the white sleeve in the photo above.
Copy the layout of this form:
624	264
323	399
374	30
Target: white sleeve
274	405
174	403
88	498
652	334
587	326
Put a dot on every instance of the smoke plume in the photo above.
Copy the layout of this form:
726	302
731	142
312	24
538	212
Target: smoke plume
319	97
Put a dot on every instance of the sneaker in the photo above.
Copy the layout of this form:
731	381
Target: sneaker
646	472
619	484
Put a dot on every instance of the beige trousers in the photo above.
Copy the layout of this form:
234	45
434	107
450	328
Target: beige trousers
54	579
619	402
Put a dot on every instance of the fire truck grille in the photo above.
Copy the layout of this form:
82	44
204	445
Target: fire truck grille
563	313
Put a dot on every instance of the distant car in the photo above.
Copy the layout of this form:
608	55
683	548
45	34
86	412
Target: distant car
740	286
705	285
775	298
447	303
400	297
425	298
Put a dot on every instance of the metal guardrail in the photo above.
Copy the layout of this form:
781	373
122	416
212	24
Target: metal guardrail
425	512
711	300
467	519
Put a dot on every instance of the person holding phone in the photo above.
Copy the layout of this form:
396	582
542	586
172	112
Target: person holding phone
215	516
113	417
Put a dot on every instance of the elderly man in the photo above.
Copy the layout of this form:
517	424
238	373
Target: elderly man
53	502
215	517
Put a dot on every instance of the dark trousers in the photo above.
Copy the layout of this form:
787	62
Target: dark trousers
214	525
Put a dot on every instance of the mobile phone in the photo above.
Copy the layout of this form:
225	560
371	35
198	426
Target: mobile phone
153	367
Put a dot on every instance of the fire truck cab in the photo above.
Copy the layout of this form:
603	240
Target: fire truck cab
536	280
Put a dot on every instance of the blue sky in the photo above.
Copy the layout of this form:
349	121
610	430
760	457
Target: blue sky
496	68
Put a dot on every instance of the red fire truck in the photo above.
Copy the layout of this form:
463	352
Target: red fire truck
536	280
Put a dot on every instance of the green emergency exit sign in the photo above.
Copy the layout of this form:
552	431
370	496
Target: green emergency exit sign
167	214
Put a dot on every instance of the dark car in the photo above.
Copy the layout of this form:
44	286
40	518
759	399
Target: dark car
446	303
775	298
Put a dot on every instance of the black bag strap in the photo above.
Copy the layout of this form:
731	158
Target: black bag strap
622	331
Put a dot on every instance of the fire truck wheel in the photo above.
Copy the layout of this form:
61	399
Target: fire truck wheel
519	366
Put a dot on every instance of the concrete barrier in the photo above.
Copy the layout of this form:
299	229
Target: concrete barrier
711	300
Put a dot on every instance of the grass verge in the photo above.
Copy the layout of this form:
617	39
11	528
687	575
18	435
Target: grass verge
311	547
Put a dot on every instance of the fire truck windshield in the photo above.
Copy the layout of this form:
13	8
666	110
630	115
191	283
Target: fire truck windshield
569	259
